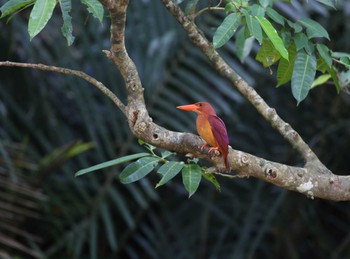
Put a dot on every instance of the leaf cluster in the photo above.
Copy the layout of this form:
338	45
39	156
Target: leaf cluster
296	47
42	11
97	217
146	162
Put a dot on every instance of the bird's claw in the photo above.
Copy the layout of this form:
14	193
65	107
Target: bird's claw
213	151
204	145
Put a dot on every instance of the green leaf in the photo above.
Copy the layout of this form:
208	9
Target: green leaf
275	16
320	80
340	54
264	3
243	45
13	5
344	79
324	52
191	177
331	70
321	65
300	40
273	36
285	67
169	170
303	75
95	8
345	61
297	27
113	162
344	58
67	28
137	170
167	153
254	28
211	178
313	28
267	54
230	8
78	148
39	16
226	30
329	3
257	10
326	55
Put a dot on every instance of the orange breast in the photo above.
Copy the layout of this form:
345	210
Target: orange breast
204	130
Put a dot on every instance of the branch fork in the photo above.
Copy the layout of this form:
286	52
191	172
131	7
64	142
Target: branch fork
313	180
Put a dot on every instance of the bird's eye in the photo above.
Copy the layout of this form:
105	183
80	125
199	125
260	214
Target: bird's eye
200	105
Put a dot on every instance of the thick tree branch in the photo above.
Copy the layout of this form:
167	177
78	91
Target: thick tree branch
242	86
315	180
72	72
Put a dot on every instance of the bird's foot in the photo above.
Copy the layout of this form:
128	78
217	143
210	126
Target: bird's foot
206	144
214	151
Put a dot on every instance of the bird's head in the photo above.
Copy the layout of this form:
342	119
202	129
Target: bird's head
200	108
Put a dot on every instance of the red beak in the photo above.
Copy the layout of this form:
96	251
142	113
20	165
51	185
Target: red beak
189	107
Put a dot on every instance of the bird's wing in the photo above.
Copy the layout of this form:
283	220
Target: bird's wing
219	131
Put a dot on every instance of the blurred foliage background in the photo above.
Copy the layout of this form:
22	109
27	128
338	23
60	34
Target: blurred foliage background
53	125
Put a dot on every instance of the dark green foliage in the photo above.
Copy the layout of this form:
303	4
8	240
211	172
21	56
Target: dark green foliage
278	37
95	216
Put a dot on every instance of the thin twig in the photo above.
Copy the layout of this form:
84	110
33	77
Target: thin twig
68	71
242	86
210	8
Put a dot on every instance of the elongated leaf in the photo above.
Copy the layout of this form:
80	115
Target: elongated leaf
285	68
324	52
243	45
169	170
313	28
113	162
300	40
273	36
329	3
39	16
345	61
13	5
268	54
296	26
254	27
264	3
303	75
320	80
275	16
334	74
191	177
211	178
344	80
257	10
338	54
95	8
67	28
226	30
137	170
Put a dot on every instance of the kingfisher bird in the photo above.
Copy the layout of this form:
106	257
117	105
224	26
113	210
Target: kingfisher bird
211	128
